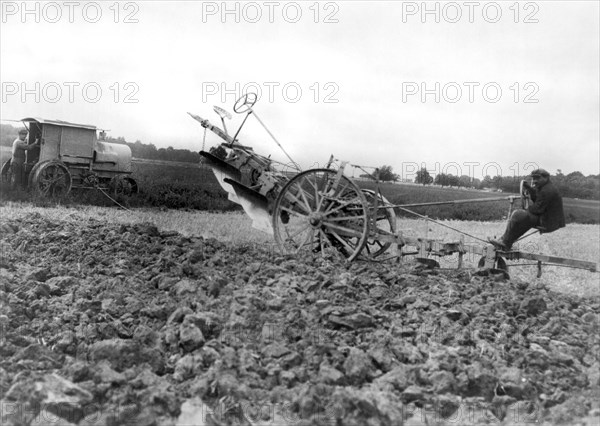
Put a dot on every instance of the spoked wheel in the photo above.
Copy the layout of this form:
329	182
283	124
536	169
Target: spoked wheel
51	179
123	185
383	223
320	211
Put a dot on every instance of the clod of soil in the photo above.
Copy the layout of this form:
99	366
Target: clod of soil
113	324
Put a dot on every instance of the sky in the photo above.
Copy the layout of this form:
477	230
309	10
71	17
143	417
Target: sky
467	88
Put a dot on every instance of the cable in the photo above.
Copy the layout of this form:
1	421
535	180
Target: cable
441	224
296	166
112	199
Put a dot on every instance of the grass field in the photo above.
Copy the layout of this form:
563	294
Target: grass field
576	211
185	188
575	241
179	185
161	184
193	186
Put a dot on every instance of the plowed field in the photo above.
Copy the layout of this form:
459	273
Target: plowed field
128	324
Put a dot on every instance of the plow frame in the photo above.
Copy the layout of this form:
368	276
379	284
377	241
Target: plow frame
322	209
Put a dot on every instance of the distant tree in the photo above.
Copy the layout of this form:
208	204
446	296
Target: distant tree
497	182
440	179
465	181
575	184
423	177
446	180
386	174
8	134
487	182
453	180
510	184
575	175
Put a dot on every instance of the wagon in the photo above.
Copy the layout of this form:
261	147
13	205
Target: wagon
73	156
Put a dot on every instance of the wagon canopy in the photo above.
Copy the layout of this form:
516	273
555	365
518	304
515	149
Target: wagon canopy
62	140
57	123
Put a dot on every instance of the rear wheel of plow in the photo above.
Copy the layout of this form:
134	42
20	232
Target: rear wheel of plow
319	211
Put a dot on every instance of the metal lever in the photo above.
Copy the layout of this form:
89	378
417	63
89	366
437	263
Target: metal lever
222	114
251	111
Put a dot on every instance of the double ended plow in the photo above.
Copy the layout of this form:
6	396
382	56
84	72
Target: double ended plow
323	211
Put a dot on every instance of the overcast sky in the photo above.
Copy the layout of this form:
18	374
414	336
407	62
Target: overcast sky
459	87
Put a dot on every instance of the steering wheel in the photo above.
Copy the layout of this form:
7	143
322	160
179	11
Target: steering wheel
525	198
245	103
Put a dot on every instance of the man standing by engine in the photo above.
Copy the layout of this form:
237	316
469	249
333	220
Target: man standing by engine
17	161
544	212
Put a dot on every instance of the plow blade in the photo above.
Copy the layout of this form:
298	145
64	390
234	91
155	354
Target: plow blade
254	204
222	171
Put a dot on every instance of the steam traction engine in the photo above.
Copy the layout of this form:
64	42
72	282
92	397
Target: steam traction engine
71	156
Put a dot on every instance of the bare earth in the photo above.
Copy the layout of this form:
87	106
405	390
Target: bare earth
109	319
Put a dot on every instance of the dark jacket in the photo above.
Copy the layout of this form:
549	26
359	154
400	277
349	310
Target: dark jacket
547	204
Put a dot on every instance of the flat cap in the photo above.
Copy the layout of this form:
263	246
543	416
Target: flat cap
23	132
540	172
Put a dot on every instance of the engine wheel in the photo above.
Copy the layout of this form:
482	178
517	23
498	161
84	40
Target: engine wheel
50	179
321	211
123	185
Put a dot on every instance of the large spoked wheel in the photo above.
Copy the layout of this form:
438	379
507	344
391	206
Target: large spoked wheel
51	179
319	211
383	222
123	185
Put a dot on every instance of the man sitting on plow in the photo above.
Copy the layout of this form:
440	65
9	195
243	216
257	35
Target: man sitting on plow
545	212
